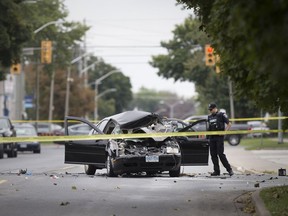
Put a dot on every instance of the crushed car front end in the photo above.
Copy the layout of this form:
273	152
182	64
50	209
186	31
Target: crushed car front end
150	155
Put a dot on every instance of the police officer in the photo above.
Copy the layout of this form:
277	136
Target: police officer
216	122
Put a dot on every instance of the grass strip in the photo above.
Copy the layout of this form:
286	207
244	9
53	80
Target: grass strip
263	143
276	200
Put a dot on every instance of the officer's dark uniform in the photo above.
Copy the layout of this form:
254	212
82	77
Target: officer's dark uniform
217	123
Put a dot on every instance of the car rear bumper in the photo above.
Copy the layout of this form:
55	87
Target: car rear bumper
27	146
134	164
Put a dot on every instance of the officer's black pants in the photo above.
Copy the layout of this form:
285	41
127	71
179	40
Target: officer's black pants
217	150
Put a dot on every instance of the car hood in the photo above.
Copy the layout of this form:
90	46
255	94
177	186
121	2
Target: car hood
134	119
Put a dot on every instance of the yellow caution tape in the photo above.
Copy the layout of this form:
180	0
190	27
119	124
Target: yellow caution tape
236	119
127	136
251	119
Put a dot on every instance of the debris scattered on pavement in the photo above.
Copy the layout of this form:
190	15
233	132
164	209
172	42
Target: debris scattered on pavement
64	203
74	188
54	177
22	171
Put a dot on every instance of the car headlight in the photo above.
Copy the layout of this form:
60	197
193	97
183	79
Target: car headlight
172	150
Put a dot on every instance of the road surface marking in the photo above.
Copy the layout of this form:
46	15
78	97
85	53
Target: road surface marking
2	181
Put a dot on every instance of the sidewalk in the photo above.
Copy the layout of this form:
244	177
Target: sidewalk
256	161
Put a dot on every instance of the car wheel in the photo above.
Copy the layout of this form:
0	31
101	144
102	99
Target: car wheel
174	173
109	167
234	140
90	169
13	152
38	151
1	151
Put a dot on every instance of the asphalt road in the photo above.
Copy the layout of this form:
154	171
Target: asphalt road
50	187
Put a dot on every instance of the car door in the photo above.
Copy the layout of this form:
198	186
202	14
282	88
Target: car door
194	149
85	151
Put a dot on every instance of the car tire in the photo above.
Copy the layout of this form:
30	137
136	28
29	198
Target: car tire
1	151
174	173
234	140
13	152
90	169
38	151
109	167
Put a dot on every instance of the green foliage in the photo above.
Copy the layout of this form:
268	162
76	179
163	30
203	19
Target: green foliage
120	98
160	101
14	31
184	61
149	99
262	143
276	199
251	38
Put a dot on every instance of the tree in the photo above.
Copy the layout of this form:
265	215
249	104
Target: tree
251	38
14	32
158	101
113	102
64	38
184	61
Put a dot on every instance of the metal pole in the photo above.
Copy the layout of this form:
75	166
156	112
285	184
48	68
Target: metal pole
96	101
37	94
171	111
231	99
51	96
67	92
280	134
47	24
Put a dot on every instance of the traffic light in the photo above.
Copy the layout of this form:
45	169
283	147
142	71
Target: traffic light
209	55
15	69
46	52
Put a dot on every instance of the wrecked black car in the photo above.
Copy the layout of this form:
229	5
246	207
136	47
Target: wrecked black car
152	154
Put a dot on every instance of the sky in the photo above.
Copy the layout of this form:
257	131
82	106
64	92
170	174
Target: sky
126	33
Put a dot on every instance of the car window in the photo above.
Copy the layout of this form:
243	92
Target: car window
4	123
101	125
83	128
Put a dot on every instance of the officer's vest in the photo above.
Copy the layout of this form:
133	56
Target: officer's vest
216	122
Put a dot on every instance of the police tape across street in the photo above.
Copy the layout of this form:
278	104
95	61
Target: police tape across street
126	136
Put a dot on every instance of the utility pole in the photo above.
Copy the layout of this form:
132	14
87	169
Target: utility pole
231	98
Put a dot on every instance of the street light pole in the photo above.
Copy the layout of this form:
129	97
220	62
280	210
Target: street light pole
37	74
98	82
47	24
85	71
171	107
69	80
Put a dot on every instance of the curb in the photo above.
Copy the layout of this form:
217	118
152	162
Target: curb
259	204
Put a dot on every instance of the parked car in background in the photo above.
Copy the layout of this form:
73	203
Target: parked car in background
232	139
258	125
75	129
27	130
7	130
47	129
151	154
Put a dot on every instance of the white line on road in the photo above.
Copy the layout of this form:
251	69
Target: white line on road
2	181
